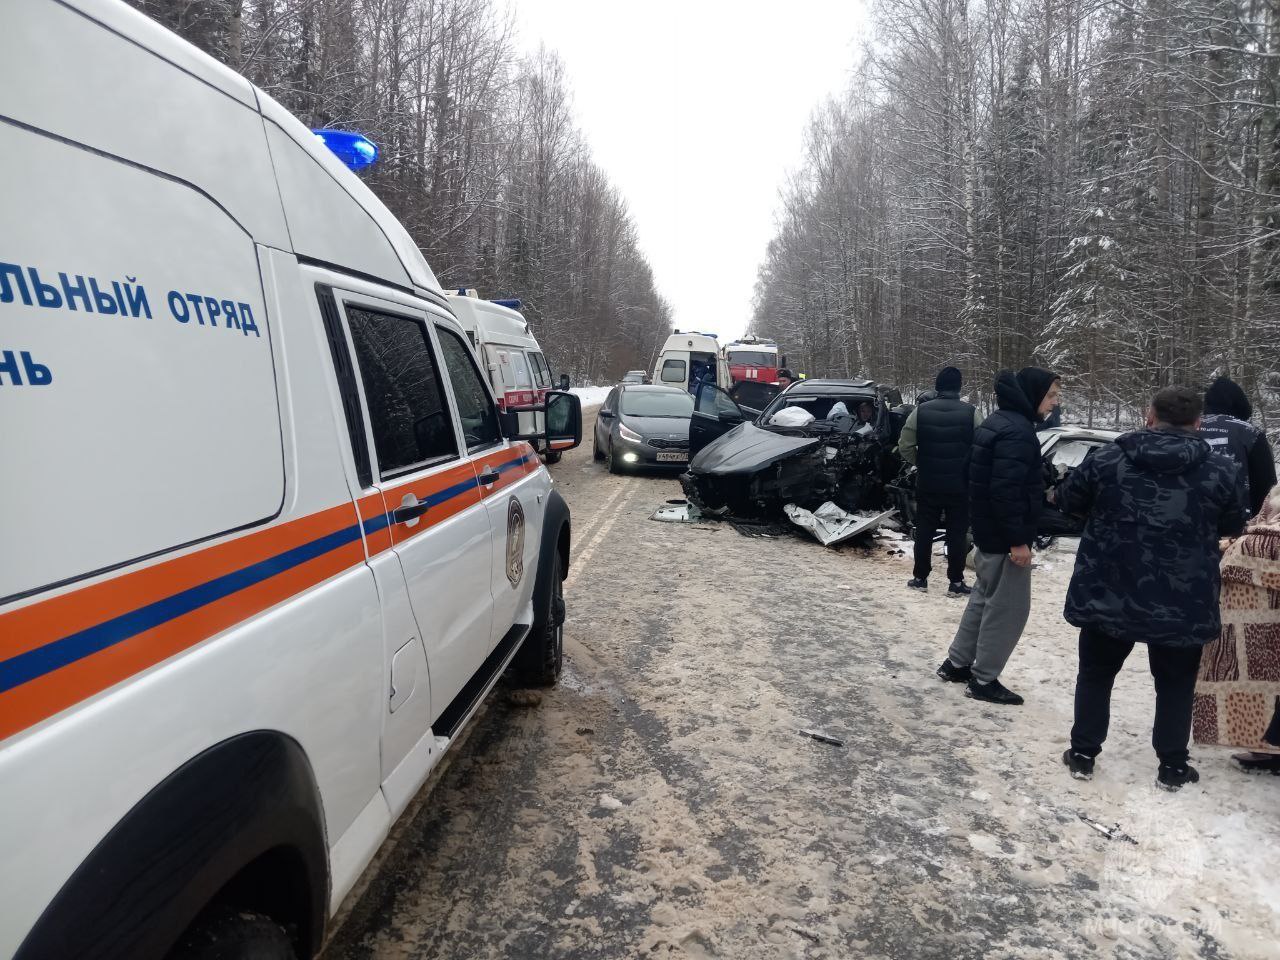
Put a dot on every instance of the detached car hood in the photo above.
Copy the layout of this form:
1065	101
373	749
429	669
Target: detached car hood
745	449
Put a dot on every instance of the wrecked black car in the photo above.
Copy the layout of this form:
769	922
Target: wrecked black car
817	441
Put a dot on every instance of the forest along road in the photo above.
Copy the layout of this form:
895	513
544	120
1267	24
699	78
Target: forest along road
661	801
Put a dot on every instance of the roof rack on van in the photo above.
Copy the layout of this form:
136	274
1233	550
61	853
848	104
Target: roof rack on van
699	333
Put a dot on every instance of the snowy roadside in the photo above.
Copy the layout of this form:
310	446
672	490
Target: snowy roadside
590	396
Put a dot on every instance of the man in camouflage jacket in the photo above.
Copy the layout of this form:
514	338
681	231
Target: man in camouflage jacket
1157	501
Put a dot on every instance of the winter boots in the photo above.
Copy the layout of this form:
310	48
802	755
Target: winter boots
953	674
1081	767
993	692
918	583
1174	776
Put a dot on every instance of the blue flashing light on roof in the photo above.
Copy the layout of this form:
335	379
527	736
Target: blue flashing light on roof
354	149
509	304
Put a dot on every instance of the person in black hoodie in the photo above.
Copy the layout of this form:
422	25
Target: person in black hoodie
1157	502
1226	427
1006	493
936	438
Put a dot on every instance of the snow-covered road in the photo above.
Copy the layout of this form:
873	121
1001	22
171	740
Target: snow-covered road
661	803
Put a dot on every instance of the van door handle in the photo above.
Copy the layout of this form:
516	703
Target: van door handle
489	477
411	511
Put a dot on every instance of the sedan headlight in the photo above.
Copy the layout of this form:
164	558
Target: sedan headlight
626	433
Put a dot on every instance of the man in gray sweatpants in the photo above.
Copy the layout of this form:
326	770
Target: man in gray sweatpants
1006	494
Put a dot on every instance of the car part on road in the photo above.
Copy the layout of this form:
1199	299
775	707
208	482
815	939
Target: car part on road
1112	832
677	511
831	525
822	737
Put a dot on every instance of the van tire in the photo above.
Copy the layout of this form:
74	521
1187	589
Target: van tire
541	657
226	934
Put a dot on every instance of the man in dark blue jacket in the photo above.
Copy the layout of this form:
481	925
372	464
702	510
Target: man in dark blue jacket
1006	493
1157	501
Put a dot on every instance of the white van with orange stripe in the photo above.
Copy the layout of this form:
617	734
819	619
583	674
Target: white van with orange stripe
269	539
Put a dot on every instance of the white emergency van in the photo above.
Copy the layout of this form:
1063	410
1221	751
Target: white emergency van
687	359
513	360
269	540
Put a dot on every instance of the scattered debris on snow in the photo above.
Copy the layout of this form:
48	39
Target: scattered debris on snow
822	737
607	802
1112	832
677	511
831	524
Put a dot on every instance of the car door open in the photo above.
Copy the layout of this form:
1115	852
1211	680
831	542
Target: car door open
714	414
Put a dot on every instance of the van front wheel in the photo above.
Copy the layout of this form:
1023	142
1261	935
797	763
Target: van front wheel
541	658
234	935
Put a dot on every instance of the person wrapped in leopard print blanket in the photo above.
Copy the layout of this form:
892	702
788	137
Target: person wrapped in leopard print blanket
1237	700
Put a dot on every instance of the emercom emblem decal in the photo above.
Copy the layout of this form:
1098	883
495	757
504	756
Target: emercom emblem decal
515	541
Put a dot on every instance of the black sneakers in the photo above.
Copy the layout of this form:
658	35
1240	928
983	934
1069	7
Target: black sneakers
993	692
1175	776
958	588
953	674
1081	767
918	583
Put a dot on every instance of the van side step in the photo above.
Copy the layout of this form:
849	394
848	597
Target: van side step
469	698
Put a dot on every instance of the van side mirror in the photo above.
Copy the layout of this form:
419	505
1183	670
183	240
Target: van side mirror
564	381
562	421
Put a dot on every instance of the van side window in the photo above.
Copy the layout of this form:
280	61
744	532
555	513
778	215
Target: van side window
673	371
475	409
407	409
520	367
542	373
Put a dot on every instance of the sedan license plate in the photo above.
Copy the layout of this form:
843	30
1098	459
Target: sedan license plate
673	456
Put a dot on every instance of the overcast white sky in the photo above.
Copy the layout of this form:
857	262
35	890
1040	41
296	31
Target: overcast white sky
697	110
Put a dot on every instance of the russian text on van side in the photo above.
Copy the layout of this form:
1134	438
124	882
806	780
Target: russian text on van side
126	299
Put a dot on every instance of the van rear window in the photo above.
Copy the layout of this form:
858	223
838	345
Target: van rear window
147	419
673	371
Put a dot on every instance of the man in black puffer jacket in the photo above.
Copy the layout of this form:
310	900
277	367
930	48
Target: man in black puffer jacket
1006	493
1157	500
1226	427
937	438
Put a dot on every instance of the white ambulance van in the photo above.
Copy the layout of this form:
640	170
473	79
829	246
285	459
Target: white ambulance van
268	539
687	359
513	360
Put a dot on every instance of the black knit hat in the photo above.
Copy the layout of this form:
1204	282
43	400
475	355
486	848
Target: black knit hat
1225	396
949	380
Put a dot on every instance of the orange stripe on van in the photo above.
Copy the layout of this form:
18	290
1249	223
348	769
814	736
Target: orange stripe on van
39	623
45	696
